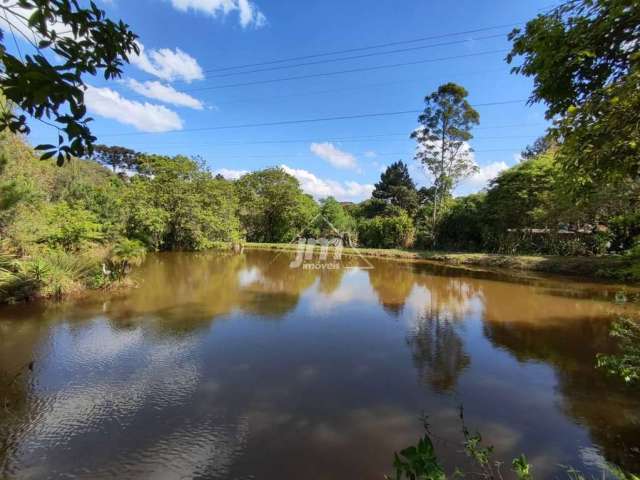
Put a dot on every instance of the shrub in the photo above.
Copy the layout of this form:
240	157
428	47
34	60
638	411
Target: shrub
123	256
387	232
57	225
625	364
60	273
462	225
15	284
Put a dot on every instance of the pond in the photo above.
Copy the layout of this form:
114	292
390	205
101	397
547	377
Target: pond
239	367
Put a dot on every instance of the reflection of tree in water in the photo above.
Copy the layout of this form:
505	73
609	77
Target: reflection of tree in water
276	289
183	292
449	297
437	349
608	409
436	346
438	352
330	281
392	283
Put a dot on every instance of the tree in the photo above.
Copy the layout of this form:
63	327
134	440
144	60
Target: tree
332	212
445	129
601	138
584	60
273	208
118	158
397	187
577	49
541	145
177	204
523	196
463	225
374	207
83	41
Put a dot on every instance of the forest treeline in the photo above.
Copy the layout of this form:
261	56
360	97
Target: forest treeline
87	221
84	225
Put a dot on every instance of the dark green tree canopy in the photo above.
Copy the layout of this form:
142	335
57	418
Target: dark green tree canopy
397	187
273	207
396	175
333	219
584	58
577	49
115	157
54	92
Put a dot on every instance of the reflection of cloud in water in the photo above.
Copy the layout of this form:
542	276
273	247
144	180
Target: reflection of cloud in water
204	450
248	276
318	437
355	287
452	303
70	405
100	343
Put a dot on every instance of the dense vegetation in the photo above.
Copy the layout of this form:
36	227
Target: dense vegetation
575	192
86	224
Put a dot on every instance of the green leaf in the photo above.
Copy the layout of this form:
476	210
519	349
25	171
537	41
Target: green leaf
48	155
45	147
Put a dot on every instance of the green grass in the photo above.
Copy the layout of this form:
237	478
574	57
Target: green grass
604	267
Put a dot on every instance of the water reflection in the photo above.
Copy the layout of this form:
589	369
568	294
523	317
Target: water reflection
224	366
438	352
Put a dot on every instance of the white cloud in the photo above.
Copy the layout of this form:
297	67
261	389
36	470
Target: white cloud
146	117
164	93
230	174
336	157
168	64
16	19
481	179
320	188
465	153
248	13
370	154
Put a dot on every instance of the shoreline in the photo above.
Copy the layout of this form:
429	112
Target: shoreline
605	268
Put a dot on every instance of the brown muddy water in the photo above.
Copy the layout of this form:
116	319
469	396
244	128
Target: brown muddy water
240	367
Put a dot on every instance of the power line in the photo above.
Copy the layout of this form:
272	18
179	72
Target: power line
355	57
347	89
360	49
383	154
353	139
341	72
300	121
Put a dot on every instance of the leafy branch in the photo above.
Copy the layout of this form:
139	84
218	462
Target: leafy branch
85	42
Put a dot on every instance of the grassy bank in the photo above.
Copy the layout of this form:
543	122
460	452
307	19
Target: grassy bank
610	267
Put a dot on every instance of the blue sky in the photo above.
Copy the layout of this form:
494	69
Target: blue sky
176	95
